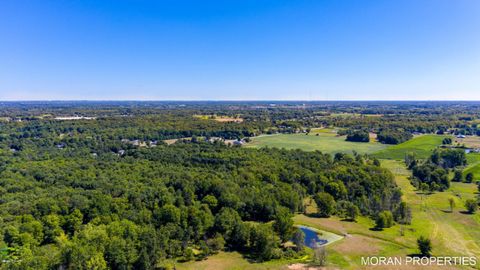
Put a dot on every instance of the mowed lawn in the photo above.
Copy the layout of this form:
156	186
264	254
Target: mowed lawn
326	142
422	146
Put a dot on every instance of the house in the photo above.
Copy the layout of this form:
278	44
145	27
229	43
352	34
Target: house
61	145
239	142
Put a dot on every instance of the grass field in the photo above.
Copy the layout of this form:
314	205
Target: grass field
327	141
452	233
473	160
422	146
233	261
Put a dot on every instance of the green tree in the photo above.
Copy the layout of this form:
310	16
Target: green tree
52	229
211	201
403	213
384	220
227	222
263	242
283	223
348	210
471	206
73	222
458	176
352	211
216	243
319	256
299	240
469	177
325	203
425	246
168	214
451	202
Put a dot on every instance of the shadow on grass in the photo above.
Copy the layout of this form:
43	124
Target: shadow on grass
375	229
447	211
348	220
315	215
466	212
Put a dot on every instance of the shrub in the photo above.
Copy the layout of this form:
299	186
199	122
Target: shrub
384	220
425	246
471	206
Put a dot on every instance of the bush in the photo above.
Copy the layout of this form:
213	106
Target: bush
471	206
384	220
458	176
447	141
469	178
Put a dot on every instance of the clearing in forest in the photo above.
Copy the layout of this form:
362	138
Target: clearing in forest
324	140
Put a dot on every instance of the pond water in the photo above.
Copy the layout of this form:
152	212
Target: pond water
312	238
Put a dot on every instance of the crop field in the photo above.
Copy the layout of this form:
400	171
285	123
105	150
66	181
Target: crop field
220	118
422	146
327	141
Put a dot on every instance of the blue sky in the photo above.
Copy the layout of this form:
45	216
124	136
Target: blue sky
240	50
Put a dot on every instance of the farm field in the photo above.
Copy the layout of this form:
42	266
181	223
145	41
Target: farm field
327	141
469	141
218	118
422	146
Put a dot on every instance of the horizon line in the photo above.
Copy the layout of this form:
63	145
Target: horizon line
238	100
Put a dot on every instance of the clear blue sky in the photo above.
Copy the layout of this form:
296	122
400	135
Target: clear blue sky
242	50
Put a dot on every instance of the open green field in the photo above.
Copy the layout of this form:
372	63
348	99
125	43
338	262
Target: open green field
327	141
233	261
422	146
473	160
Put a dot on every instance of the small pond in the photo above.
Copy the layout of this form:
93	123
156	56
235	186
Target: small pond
312	238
